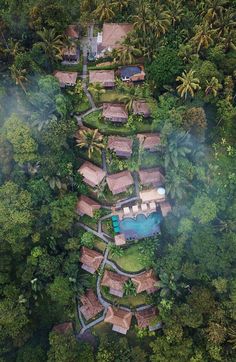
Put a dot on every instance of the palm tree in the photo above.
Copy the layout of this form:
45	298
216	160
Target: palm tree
160	20
232	336
176	185
179	146
51	44
213	9
169	283
14	48
189	85
129	288
97	90
225	23
91	140
19	76
176	11
105	10
141	21
127	54
116	250
213	86
119	5
203	36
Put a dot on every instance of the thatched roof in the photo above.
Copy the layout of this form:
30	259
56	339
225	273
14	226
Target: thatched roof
105	77
151	176
119	182
113	34
141	108
86	206
118	317
91	305
120	239
93	175
122	146
145	282
115	112
66	78
146	317
149	141
114	280
91	258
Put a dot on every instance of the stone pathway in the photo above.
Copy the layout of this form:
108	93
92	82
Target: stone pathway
96	233
136	183
104	161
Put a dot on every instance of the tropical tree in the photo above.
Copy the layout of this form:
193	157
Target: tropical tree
175	10
97	90
141	21
190	84
178	146
129	288
176	185
160	20
213	86
213	9
127	54
105	10
14	48
51	44
19	76
203	36
91	140
116	250
225	23
232	336
169	283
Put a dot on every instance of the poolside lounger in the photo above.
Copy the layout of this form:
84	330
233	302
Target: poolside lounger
126	210
117	229
152	206
115	223
135	208
144	207
114	218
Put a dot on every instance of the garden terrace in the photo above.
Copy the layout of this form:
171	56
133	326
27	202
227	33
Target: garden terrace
66	79
91	305
120	319
90	259
146	281
94	120
92	174
119	182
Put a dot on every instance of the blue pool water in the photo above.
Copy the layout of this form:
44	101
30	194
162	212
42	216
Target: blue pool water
141	226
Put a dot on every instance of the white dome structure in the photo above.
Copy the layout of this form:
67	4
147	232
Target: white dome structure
161	191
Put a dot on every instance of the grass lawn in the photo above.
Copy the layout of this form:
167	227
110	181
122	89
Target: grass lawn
129	300
83	106
96	156
71	67
130	260
99	244
151	159
93	120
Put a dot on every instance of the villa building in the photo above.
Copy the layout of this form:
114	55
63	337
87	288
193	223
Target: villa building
149	141
66	79
115	282
146	281
122	146
91	305
121	319
93	175
151	176
141	108
90	259
119	182
63	328
70	53
152	195
120	239
115	112
86	206
147	318
111	37
104	77
165	208
132	73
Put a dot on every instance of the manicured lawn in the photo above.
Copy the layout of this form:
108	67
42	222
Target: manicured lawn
94	120
130	260
96	156
129	300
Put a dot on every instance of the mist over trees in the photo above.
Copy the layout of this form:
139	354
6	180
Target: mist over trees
188	48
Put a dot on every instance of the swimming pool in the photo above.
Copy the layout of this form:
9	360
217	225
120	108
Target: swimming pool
141	226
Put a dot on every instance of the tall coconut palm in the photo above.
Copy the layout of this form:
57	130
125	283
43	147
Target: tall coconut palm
160	21
203	37
225	23
213	86
120	5
51	44
213	9
104	10
175	185
129	288
14	48
91	140
19	76
189	84
127	54
175	10
141	21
